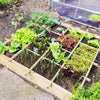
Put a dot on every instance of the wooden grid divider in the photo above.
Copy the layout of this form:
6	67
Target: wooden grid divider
43	57
36	62
10	59
88	45
85	77
95	64
64	62
90	68
33	52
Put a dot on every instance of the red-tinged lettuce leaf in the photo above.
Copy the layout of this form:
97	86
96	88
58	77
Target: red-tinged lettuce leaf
60	38
66	71
76	75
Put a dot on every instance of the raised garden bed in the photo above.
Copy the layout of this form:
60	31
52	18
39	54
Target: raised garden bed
54	57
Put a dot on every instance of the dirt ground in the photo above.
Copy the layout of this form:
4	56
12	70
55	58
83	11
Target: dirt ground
27	8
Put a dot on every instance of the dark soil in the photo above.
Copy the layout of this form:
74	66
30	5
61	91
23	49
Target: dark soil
94	75
64	82
51	35
9	54
27	8
46	69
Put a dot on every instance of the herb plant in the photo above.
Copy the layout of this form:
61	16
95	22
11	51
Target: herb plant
92	93
52	21
86	52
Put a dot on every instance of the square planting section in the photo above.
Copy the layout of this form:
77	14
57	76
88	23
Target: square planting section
46	68
37	63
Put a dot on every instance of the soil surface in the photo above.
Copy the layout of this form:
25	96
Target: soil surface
27	8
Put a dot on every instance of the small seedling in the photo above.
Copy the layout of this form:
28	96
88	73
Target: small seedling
19	18
60	29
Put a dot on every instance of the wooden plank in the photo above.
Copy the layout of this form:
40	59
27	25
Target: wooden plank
36	78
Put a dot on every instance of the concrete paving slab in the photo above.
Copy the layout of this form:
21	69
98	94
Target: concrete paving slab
12	87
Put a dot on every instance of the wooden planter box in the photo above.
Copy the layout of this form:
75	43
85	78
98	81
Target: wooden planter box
39	80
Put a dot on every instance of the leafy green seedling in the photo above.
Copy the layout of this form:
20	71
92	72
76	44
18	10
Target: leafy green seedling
56	52
61	29
28	23
53	39
34	15
89	36
15	23
3	48
19	18
94	42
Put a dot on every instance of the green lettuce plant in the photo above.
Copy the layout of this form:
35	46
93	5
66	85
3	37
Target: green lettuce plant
94	42
56	52
89	36
75	33
22	37
3	48
92	93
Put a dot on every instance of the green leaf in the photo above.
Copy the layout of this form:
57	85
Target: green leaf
94	42
20	14
60	29
21	18
43	33
53	39
13	49
14	22
89	36
28	23
34	15
3	48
